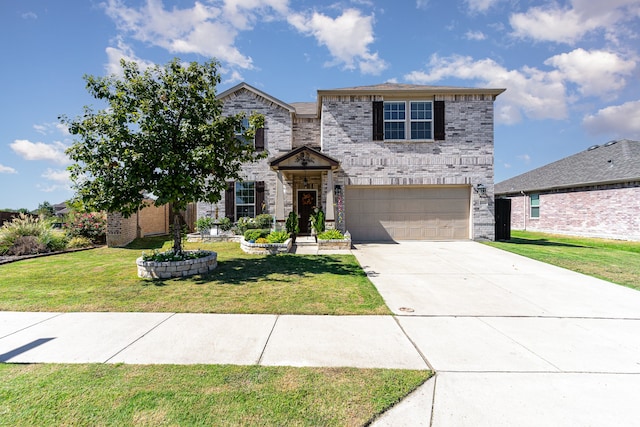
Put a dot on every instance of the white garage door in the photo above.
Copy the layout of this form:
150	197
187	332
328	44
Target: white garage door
407	213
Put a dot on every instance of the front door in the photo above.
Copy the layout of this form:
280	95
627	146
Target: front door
306	204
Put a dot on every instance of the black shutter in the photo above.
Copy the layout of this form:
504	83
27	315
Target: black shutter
259	196
229	198
378	120
438	120
259	139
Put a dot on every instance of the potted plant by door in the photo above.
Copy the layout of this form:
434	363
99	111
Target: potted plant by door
317	222
292	225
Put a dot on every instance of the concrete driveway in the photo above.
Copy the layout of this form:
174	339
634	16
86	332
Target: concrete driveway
513	341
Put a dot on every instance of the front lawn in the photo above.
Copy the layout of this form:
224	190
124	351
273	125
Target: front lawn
613	260
105	279
158	395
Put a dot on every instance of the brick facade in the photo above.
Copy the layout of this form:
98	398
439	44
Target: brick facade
605	211
344	132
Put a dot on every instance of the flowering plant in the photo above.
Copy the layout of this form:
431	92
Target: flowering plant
91	225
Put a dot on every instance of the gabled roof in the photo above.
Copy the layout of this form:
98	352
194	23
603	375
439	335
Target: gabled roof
284	163
306	109
615	161
258	92
403	89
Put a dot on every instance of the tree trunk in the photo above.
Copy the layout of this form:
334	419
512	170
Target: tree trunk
177	235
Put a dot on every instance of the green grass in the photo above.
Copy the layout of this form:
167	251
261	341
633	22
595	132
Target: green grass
158	395
613	260
105	279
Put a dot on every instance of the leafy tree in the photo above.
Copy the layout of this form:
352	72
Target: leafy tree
162	133
45	209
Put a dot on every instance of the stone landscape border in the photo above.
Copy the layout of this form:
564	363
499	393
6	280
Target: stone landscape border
172	269
266	248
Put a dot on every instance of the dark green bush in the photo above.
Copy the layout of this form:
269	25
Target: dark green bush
255	234
264	221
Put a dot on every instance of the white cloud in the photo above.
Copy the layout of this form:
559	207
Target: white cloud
347	37
243	14
201	29
58	175
622	121
525	158
475	35
569	24
29	15
7	169
481	5
534	93
596	72
122	51
40	151
422	4
49	128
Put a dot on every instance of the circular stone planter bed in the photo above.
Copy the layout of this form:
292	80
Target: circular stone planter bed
171	269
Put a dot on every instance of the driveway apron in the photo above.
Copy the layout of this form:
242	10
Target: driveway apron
513	341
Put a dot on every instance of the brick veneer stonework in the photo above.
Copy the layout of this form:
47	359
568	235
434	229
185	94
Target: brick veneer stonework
605	211
464	157
344	132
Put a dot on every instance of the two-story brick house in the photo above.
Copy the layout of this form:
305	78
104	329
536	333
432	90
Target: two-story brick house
385	162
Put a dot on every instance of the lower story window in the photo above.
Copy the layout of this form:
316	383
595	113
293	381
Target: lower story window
245	196
534	201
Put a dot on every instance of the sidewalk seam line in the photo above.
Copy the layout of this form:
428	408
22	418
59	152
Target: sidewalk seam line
424	358
433	398
35	324
139	338
266	343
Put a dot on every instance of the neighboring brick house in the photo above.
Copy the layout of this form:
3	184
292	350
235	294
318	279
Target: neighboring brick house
385	162
594	193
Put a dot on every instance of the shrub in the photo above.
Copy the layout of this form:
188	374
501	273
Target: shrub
27	245
317	220
331	235
246	223
262	240
167	256
54	240
277	237
21	226
225	224
292	224
90	225
253	235
264	221
204	224
79	242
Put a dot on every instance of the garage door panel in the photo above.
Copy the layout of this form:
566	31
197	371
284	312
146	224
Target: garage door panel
407	213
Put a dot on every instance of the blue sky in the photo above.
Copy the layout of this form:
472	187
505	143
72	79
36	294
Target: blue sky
571	67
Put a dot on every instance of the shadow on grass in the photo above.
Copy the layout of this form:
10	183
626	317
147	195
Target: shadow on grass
285	268
541	242
154	242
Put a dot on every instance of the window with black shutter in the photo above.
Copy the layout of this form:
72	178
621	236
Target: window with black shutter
244	199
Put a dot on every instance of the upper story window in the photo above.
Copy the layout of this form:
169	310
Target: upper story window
417	124
408	120
258	139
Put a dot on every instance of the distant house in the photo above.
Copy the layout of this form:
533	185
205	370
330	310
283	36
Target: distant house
594	193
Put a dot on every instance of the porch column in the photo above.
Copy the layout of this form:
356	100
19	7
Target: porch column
330	215
280	198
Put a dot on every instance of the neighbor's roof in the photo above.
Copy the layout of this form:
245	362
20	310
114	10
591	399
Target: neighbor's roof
615	161
390	88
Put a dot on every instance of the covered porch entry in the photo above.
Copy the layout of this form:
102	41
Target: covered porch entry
305	181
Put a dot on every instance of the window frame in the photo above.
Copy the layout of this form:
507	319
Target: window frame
236	196
534	207
408	120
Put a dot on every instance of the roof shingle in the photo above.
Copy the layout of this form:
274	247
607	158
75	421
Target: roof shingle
615	161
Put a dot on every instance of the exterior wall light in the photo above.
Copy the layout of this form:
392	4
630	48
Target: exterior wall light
481	190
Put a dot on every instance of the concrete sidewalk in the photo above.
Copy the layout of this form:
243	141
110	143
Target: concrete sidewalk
513	341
